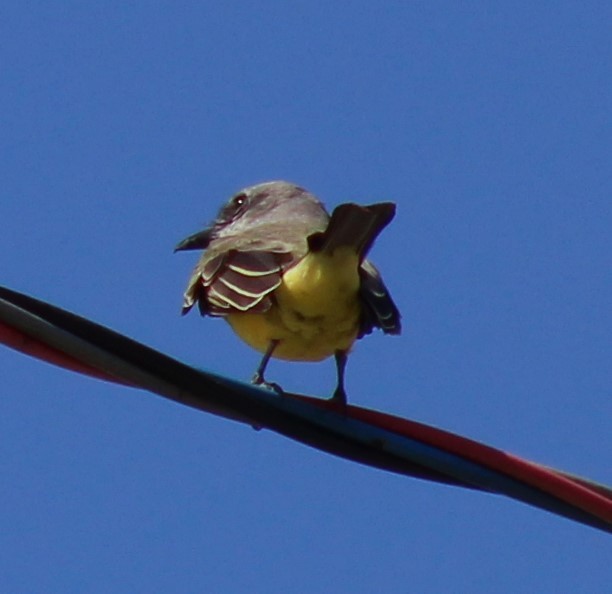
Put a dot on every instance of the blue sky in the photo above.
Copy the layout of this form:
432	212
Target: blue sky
124	127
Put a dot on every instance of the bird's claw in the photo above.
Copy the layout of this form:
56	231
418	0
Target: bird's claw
338	399
258	380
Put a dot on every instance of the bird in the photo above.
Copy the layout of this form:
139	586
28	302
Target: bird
292	281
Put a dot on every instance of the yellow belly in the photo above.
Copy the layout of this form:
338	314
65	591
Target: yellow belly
316	310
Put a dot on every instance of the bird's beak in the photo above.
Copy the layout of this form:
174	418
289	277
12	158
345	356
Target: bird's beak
197	241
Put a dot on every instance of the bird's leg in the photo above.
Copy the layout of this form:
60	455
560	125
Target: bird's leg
339	396
258	378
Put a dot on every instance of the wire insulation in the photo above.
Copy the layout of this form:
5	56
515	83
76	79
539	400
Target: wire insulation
377	439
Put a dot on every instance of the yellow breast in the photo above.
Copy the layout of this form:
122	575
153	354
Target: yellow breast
316	310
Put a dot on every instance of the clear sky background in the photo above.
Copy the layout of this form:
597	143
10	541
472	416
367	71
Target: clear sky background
124	126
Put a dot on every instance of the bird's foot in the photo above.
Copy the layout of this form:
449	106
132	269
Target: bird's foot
338	399
258	380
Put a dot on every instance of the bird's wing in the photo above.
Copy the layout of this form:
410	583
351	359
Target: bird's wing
379	310
353	226
236	281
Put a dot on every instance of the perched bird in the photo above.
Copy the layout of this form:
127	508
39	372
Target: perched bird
292	281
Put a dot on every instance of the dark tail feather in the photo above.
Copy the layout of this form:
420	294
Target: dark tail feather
352	225
379	310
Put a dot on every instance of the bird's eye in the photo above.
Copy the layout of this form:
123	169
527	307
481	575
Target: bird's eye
233	208
239	200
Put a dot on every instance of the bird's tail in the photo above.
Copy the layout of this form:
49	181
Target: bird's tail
354	226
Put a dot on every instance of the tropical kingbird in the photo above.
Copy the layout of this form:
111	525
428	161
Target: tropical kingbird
292	281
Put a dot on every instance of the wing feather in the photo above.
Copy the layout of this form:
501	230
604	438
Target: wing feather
379	310
236	281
